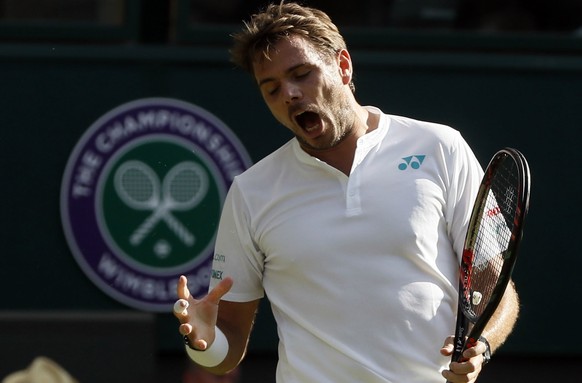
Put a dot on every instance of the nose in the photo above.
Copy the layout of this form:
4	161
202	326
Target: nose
292	93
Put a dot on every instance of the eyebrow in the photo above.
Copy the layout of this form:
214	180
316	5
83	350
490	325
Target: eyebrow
289	70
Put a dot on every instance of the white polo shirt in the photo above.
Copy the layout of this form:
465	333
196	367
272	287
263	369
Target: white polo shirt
361	271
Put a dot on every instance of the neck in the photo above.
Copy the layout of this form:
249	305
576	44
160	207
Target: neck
341	156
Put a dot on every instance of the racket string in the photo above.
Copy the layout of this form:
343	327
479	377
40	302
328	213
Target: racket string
491	244
494	235
181	189
137	185
185	186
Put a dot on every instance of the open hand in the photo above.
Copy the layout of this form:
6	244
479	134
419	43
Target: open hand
198	316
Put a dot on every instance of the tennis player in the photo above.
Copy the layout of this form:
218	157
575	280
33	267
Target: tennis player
353	229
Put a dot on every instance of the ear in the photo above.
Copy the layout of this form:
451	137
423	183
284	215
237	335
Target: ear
345	66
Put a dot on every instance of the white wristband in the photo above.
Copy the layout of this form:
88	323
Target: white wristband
213	355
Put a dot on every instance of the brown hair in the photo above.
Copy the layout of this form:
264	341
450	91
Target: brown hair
278	21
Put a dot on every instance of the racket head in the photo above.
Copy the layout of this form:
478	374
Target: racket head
185	185
491	244
137	185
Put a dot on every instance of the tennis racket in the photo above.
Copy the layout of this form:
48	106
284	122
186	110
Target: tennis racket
182	188
491	244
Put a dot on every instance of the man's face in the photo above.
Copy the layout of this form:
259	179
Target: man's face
306	93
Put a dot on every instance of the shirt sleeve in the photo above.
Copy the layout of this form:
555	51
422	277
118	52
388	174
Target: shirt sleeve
236	254
466	174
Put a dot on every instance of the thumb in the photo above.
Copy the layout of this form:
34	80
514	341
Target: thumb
223	287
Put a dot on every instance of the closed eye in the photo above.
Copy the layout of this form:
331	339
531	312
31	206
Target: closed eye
269	87
302	75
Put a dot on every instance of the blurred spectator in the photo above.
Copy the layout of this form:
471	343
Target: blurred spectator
41	370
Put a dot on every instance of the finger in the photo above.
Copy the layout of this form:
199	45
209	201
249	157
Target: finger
448	347
182	289
185	329
449	341
452	377
447	350
181	307
223	287
467	368
200	344
449	376
472	352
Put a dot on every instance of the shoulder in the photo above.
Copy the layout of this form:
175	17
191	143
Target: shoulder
414	134
437	140
265	171
271	162
407	125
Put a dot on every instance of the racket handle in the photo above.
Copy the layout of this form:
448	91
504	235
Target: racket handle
461	330
459	341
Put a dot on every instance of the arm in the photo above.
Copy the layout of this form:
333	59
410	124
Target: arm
496	332
504	318
234	319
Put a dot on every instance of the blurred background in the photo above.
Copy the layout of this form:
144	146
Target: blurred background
504	73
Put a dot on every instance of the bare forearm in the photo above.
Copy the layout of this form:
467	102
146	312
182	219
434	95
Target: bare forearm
504	318
236	352
235	320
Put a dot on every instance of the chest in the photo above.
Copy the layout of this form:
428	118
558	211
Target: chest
381	210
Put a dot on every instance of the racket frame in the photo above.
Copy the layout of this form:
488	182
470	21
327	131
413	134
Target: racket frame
464	318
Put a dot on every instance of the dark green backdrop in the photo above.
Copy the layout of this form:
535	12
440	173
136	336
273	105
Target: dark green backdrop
50	94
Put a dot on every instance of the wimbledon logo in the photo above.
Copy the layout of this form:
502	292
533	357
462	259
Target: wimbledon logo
141	198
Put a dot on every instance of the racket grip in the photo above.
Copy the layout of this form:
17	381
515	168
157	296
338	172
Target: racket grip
461	329
459	341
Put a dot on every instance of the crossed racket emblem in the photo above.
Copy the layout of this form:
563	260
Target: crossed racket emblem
181	189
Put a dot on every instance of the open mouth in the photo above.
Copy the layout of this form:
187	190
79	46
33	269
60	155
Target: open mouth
308	121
